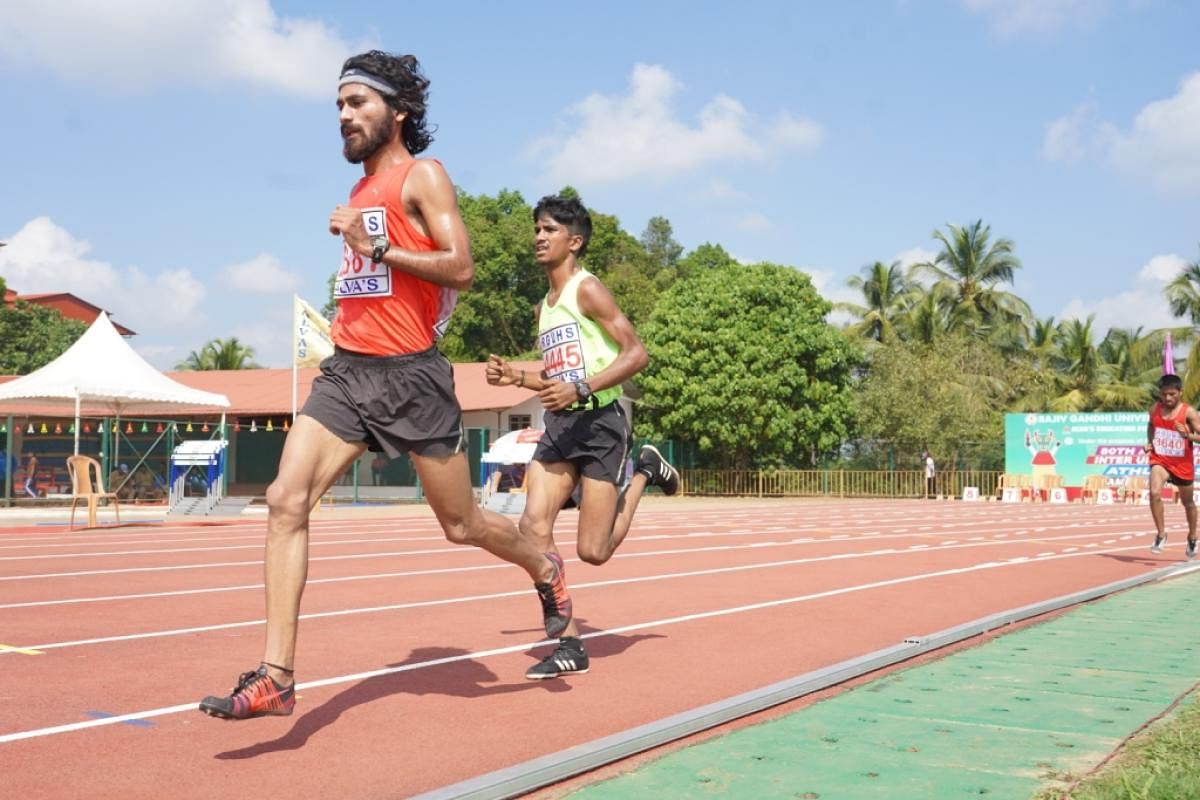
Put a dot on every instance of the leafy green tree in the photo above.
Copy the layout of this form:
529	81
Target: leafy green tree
496	315
973	266
927	319
1090	382
621	262
220	354
1183	296
706	256
662	251
329	310
743	364
31	336
948	396
886	294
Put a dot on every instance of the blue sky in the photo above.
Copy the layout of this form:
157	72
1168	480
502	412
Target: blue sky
176	162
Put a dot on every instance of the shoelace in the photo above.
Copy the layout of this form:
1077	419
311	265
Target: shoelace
245	680
563	652
546	594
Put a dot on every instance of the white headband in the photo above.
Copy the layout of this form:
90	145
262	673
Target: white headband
367	79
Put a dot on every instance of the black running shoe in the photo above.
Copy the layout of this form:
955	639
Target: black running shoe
556	602
657	471
1190	551
568	658
1159	541
256	695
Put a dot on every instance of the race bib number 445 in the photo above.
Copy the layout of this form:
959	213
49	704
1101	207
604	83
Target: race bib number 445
562	353
358	275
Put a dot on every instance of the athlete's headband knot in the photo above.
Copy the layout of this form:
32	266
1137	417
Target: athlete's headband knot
355	75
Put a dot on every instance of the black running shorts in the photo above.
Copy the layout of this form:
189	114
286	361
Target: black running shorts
595	441
396	404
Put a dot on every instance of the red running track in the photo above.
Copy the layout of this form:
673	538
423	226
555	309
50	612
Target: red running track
412	651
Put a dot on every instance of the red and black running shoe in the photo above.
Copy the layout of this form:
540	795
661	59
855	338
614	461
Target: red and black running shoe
556	603
256	695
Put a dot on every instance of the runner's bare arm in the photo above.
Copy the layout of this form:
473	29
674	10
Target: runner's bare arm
432	207
1193	421
596	301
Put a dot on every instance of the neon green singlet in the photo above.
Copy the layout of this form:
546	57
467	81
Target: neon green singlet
574	347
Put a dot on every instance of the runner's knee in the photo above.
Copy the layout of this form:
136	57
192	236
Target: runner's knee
535	531
284	500
595	553
470	530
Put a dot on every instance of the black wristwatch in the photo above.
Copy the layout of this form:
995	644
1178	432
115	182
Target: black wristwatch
583	390
379	248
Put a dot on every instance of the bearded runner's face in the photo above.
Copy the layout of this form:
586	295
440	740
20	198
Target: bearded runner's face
367	121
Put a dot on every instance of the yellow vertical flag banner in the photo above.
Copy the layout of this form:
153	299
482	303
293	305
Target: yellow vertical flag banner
311	336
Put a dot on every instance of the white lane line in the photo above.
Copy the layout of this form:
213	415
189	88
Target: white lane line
973	542
340	679
253	546
472	598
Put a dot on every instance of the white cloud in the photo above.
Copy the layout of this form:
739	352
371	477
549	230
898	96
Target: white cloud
1014	17
613	138
753	223
1073	137
916	255
835	290
1161	147
267	335
720	191
1162	269
789	131
1142	306
262	274
143	44
44	257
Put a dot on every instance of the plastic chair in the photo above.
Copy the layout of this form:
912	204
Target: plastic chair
1092	485
86	484
1134	486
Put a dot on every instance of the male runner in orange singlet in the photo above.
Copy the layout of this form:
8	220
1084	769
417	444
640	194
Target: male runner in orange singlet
386	387
1170	434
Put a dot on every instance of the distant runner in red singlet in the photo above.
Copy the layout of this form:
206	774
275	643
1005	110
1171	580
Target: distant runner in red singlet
1173	429
386	387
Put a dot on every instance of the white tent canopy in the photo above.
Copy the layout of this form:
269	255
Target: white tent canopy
102	369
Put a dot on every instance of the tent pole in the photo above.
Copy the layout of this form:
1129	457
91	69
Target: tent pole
76	424
225	459
9	460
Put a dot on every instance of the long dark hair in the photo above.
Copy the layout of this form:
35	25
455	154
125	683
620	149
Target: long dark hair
412	92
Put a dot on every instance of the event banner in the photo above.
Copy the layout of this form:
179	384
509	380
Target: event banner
1077	445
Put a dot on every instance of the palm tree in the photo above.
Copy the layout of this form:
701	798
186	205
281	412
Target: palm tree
973	267
885	291
928	316
220	354
1183	296
1090	377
